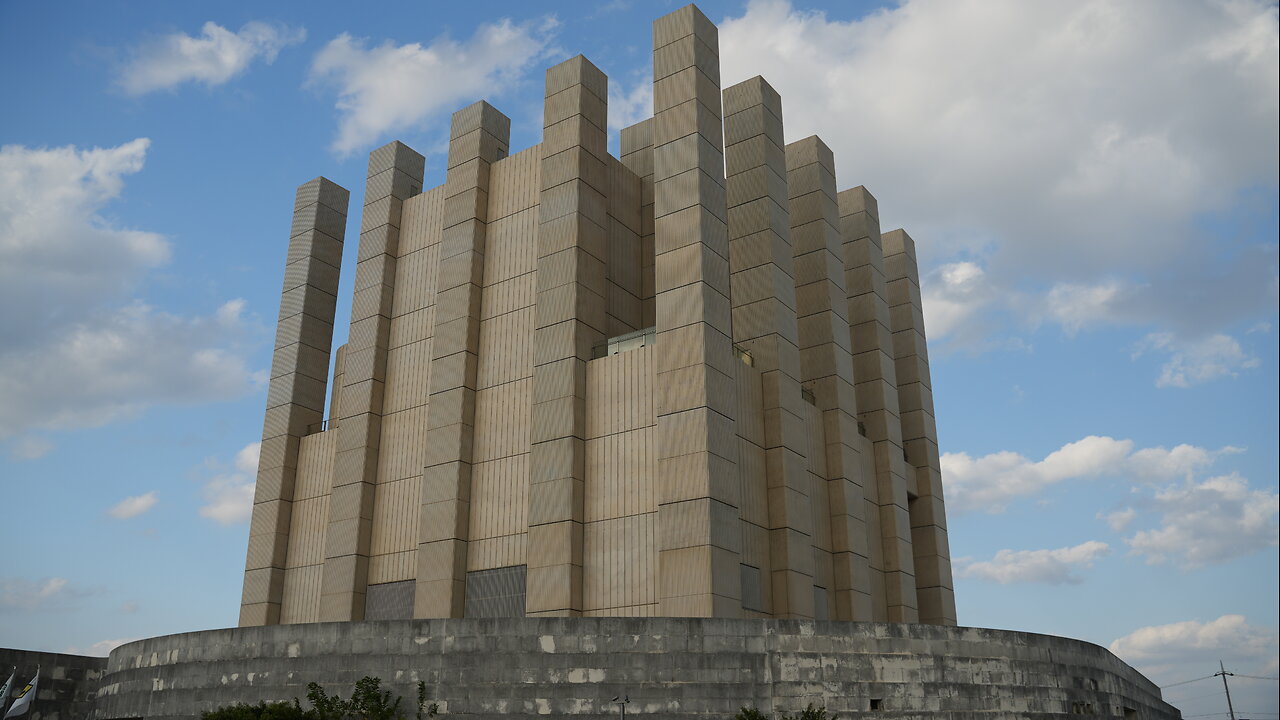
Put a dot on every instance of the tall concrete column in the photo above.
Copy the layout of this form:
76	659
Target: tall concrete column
569	321
932	555
637	155
478	137
395	174
876	387
699	534
764	323
295	399
827	365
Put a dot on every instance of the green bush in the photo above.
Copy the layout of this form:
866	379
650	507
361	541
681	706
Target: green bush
261	711
809	713
368	702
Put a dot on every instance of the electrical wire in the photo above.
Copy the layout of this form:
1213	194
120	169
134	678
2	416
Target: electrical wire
1184	682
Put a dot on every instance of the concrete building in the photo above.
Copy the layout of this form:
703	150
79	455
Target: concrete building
691	381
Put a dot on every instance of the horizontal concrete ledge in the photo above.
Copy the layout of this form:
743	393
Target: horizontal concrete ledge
670	667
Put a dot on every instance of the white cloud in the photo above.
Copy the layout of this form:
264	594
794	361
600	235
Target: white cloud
133	506
214	57
229	496
989	483
1181	651
1119	520
1077	177
1074	306
392	87
1210	522
23	594
83	352
102	648
30	447
1054	567
1192	362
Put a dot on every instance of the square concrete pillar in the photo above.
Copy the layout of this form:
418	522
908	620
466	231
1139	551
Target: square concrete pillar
876	391
295	401
827	365
478	137
935	592
394	175
637	155
691	310
763	303
571	277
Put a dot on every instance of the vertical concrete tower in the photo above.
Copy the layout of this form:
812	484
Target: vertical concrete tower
690	381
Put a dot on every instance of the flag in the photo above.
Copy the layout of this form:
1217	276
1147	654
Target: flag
8	685
25	698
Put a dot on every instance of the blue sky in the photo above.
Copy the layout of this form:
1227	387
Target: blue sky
1092	189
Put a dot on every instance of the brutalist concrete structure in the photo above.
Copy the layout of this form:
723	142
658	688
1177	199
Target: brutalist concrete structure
687	389
691	381
672	668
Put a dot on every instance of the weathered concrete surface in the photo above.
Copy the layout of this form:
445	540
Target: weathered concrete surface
670	667
68	683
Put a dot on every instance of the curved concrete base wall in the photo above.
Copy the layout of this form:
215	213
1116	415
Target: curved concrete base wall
670	667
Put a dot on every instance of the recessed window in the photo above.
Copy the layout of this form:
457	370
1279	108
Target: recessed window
877	704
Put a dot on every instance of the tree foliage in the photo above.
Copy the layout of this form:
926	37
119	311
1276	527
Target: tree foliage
368	701
809	713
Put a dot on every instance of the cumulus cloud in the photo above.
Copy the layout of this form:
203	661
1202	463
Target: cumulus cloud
1077	179
392	87
83	352
131	507
1210	522
1181	651
214	57
1119	520
102	648
1191	362
989	483
1054	567
229	496
24	594
30	447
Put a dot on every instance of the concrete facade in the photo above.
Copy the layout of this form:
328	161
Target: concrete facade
68	683
670	667
690	381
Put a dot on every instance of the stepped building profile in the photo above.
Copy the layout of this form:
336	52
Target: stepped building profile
656	428
690	381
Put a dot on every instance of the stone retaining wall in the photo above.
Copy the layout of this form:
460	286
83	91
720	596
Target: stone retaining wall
670	668
68	683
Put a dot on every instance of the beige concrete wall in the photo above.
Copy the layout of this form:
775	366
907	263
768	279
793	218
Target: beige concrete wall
401	454
304	565
620	499
500	475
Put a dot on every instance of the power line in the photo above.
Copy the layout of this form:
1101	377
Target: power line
1192	680
1258	677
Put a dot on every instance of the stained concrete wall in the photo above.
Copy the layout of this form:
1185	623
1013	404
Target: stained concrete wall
670	668
67	687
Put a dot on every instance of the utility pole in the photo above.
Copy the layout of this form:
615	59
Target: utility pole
1223	672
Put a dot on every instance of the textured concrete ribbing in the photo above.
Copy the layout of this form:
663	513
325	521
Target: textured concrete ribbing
569	321
877	396
932	556
295	399
827	365
764	324
637	154
478	137
395	174
699	534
